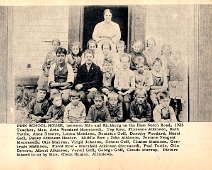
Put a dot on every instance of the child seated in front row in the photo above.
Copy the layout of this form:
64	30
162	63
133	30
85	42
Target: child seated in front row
124	82
163	112
98	112
140	109
75	111
114	107
56	111
38	107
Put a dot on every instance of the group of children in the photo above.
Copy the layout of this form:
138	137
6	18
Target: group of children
141	86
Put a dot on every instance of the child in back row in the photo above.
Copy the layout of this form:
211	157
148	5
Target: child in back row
120	50
49	60
91	45
150	51
74	58
75	111
158	81
137	54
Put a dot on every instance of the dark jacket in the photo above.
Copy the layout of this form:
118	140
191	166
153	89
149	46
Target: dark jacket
89	79
98	115
144	112
116	112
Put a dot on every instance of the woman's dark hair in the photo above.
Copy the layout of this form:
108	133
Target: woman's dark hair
109	10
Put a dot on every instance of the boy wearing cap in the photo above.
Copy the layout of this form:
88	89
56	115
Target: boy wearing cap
114	107
39	106
75	111
140	109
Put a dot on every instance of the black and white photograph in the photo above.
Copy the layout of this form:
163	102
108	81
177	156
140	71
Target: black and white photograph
105	85
101	63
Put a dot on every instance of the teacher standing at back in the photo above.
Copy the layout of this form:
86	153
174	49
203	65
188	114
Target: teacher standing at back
107	31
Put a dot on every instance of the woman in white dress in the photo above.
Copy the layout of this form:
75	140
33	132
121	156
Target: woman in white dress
107	30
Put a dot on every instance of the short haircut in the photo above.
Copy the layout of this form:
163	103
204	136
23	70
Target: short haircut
163	95
99	95
61	51
106	43
120	42
91	41
140	92
56	40
55	96
88	51
124	57
108	59
141	43
112	95
108	10
157	60
74	93
78	44
42	87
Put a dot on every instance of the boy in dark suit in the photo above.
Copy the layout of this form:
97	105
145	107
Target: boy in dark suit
89	79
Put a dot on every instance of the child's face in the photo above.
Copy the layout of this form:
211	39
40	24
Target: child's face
157	66
106	48
125	64
61	58
75	100
140	98
75	50
165	102
113	101
88	58
120	48
140	69
55	45
107	66
57	101
92	46
137	47
41	94
98	102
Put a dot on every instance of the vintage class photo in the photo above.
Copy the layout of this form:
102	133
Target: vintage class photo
76	64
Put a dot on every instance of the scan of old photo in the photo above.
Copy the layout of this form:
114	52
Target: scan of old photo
84	64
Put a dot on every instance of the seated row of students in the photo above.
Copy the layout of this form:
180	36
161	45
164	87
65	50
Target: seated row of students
90	79
40	110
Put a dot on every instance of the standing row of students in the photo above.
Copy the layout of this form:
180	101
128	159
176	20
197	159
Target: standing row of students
112	86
